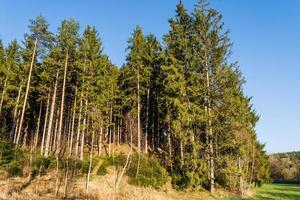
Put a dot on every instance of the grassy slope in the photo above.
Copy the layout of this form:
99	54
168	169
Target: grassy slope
275	192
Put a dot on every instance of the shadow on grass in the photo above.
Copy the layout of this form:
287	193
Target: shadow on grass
274	192
278	191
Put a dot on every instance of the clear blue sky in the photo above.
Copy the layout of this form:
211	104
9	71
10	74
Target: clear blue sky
265	33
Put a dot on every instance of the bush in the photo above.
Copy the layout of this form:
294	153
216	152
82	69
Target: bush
14	168
151	173
11	160
117	160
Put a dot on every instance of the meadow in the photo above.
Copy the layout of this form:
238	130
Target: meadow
276	191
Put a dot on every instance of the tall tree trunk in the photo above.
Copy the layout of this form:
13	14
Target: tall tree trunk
170	147
147	118
36	137
91	162
73	123
62	107
210	134
47	144
139	125
13	131
100	142
110	127
83	131
17	126
118	131
181	152
78	127
26	93
45	125
3	94
153	125
54	138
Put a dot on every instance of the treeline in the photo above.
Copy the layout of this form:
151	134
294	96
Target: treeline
181	101
285	166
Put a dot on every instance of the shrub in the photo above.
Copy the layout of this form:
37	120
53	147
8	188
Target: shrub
11	159
117	160
151	173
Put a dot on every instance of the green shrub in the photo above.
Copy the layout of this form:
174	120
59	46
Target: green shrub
151	173
117	160
14	168
11	159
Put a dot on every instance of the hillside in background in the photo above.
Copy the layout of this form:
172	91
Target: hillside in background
285	166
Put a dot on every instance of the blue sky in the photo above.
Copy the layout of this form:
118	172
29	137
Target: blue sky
265	33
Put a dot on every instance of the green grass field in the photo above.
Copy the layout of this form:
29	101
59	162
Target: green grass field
275	192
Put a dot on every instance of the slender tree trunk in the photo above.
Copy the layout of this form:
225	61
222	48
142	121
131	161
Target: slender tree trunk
26	93
47	144
17	126
147	118
3	94
100	142
36	137
83	131
181	152
54	139
73	123
153	125
91	162
62	107
110	127
139	125
170	147
45	125
210	134
118	132
252	164
13	131
78	127
241	181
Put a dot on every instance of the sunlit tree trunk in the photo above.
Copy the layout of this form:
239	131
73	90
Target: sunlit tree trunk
26	93
147	118
110	129
100	142
139	123
47	144
36	137
13	131
84	130
78	127
58	144
73	124
45	125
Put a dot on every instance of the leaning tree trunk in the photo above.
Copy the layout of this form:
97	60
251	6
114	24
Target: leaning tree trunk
62	107
47	144
26	93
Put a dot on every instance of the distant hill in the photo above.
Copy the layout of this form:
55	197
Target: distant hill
285	166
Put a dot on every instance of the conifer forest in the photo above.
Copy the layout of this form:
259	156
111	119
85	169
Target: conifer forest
176	106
